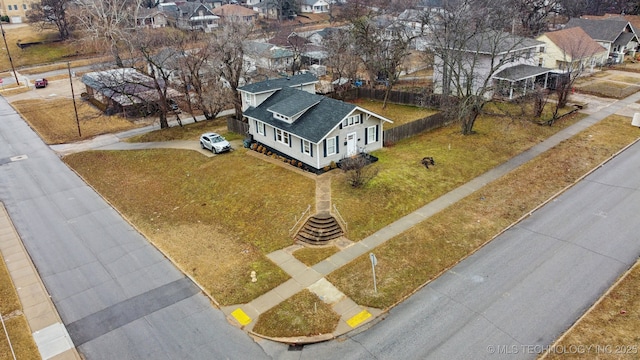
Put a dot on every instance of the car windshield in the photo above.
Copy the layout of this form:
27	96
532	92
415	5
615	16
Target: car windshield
217	139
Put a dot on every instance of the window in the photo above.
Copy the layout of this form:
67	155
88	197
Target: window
24	6
351	120
306	147
540	61
260	128
541	49
371	134
282	136
331	146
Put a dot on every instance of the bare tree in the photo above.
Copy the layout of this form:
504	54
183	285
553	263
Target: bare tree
48	12
383	47
160	65
227	45
200	74
576	8
579	52
358	170
534	14
107	22
342	56
469	48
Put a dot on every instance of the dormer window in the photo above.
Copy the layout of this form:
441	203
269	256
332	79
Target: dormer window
281	117
351	120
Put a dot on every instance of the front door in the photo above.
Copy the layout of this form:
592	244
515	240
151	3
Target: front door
352	145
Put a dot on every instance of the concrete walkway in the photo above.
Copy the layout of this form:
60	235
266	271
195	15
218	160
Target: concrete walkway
49	333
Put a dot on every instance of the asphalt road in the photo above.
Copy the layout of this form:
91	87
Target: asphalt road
117	295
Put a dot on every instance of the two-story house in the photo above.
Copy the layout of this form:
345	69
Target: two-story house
616	35
506	62
286	116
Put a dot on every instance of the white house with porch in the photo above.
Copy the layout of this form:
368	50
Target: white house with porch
508	61
286	116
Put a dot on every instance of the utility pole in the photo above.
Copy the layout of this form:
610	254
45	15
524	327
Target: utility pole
73	96
9	54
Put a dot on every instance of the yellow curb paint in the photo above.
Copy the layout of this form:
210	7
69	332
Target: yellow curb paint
241	317
360	317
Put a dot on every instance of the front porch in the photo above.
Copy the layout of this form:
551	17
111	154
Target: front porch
519	80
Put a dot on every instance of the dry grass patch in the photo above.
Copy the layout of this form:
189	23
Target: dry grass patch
304	314
399	114
615	321
216	217
418	255
403	184
14	89
313	255
625	79
608	89
36	54
15	321
54	120
188	132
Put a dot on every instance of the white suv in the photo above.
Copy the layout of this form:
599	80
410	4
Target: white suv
214	142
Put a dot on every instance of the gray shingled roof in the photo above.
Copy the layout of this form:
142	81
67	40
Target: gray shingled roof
624	38
499	42
279	83
603	30
295	104
521	72
314	124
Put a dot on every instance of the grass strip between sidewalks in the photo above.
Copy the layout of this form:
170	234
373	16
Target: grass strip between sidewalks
15	321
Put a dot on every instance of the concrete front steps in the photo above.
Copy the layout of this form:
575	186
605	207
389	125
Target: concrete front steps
320	229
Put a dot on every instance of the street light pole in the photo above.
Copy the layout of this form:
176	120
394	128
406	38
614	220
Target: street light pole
9	54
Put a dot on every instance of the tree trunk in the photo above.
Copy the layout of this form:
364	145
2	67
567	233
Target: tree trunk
164	124
386	96
470	120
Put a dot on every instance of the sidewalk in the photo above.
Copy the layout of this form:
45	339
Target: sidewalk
49	334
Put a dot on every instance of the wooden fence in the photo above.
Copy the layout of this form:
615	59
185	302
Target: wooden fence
395	97
404	131
237	126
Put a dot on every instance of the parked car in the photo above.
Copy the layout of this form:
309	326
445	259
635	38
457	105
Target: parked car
173	105
214	142
41	83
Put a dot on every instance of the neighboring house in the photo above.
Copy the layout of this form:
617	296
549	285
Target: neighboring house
17	10
123	90
516	57
614	34
319	37
151	18
414	20
266	56
314	6
236	13
267	9
570	50
288	117
195	16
